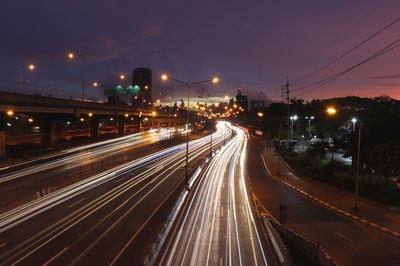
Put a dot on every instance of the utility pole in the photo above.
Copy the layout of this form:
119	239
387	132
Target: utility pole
286	98
279	147
358	168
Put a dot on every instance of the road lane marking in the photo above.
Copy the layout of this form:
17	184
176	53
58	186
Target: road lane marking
2	245
55	257
345	237
72	205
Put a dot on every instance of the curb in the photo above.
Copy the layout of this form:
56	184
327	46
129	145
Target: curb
331	207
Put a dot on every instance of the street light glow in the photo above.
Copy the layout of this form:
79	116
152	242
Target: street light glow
95	84
30	120
122	77
354	120
10	112
71	55
164	77
154	113
31	67
90	114
215	80
260	114
331	110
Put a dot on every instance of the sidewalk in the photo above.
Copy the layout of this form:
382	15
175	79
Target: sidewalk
369	212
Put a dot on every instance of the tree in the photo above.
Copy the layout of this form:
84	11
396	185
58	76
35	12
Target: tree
385	159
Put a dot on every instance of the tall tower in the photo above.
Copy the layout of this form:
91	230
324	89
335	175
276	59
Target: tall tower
142	77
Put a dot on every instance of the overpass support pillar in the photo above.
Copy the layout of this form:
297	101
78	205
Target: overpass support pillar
121	125
48	132
94	127
2	135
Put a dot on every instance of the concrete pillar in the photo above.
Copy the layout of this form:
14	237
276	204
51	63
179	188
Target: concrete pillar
121	125
94	127
48	127
2	135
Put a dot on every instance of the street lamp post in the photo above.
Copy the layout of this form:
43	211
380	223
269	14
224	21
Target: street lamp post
71	56
30	67
292	119
188	86
309	125
354	121
358	168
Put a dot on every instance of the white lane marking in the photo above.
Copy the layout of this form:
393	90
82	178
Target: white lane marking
2	245
345	237
72	205
55	257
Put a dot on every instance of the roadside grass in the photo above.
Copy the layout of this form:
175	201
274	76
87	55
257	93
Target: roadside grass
340	175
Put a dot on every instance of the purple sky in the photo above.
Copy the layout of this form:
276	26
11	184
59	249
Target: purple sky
251	44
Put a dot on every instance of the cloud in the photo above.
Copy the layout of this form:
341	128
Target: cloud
152	30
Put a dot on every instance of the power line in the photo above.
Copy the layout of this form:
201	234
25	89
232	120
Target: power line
346	53
393	45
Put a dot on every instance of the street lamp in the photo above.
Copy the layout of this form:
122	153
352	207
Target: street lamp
354	121
260	114
153	114
71	56
309	125
331	110
292	119
95	84
188	86
30	67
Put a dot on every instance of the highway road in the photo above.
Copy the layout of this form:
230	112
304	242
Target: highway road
218	227
347	242
98	221
81	154
24	182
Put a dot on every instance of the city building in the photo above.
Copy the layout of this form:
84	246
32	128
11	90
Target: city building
142	77
241	100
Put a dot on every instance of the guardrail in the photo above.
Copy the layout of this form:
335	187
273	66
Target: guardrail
309	248
158	244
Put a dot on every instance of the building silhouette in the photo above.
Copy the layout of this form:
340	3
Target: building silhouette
142	77
241	100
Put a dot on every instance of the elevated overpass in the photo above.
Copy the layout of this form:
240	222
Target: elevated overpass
47	110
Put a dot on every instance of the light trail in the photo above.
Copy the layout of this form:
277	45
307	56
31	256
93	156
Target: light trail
131	192
71	157
218	226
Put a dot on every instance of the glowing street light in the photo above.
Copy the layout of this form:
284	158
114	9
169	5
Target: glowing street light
292	119
30	120
309	125
260	114
354	121
29	67
331	110
188	86
10	112
95	84
71	56
122	77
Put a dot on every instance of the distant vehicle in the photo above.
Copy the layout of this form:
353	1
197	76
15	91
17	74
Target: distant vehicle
328	140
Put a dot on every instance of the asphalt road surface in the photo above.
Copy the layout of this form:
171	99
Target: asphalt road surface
97	221
218	226
347	241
